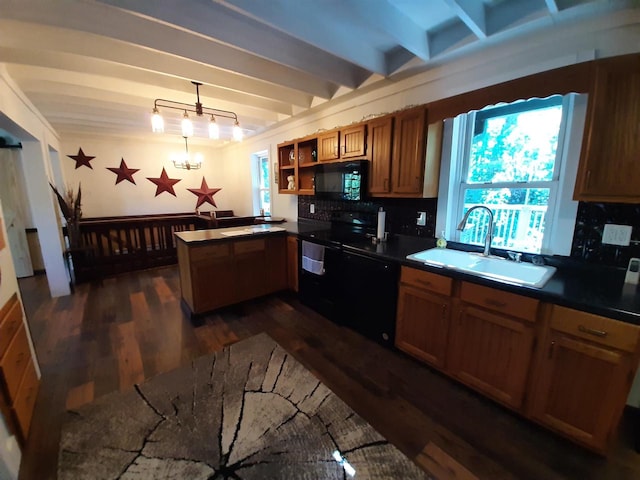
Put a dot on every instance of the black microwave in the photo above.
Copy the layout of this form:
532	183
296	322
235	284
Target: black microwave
341	180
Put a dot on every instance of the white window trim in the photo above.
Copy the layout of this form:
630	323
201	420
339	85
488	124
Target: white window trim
255	179
561	214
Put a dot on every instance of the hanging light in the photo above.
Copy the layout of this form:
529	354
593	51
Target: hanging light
214	130
184	161
157	123
237	132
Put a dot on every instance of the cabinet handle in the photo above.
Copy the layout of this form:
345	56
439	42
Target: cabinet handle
592	331
336	151
444	310
344	149
494	303
553	344
386	184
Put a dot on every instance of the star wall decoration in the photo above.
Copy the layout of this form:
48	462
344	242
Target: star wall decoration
82	159
204	193
123	172
164	183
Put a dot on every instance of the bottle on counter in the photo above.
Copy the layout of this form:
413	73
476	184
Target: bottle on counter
442	241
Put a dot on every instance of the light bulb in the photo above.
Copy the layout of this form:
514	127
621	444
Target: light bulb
214	130
237	132
187	126
157	122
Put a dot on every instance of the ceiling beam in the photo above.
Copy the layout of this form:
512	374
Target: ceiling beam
552	5
472	14
132	30
296	20
399	26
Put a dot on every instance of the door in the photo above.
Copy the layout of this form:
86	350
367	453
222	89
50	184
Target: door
14	205
491	353
409	143
578	387
379	140
422	325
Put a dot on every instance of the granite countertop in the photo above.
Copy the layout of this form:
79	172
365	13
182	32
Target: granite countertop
591	288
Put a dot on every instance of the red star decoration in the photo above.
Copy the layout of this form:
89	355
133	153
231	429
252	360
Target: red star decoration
164	183
82	159
124	172
204	193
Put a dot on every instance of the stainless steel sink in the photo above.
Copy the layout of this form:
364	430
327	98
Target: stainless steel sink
524	274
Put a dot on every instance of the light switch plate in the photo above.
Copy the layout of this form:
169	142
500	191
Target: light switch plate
617	234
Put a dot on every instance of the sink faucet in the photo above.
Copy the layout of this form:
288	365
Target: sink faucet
489	237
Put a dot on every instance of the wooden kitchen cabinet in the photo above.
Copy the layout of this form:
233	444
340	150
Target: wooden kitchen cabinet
297	159
221	273
408	157
379	148
292	262
491	343
424	309
348	142
585	367
609	169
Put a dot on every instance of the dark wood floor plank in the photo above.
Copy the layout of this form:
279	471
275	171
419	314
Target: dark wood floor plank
106	337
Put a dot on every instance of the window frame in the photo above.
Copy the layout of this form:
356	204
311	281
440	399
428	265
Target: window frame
258	189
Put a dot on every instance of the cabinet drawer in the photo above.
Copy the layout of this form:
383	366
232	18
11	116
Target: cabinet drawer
26	399
248	246
504	302
209	251
426	280
14	362
595	328
11	321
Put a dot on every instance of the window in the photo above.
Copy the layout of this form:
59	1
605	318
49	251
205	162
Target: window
510	158
261	186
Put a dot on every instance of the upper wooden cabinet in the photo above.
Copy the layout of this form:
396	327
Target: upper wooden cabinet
297	159
379	147
409	141
610	159
348	142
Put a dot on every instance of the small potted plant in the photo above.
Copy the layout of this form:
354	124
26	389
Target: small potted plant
70	206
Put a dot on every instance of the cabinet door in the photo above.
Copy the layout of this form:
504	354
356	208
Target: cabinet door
292	263
379	140
610	159
213	284
580	389
409	143
329	146
353	141
422	325
491	353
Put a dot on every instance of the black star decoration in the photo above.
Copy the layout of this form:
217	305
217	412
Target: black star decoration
82	159
123	172
204	193
164	183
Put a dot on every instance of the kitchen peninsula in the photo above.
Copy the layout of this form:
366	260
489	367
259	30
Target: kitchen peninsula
224	266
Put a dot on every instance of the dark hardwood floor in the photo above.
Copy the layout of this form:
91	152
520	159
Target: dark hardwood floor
109	337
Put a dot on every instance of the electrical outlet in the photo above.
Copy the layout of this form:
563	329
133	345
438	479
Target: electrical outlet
312	208
421	221
617	234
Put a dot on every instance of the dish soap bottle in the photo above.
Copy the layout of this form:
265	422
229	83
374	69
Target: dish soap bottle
441	242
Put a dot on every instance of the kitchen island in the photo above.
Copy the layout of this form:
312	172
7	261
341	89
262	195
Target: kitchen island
225	266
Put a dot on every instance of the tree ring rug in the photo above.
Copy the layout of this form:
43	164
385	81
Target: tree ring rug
250	411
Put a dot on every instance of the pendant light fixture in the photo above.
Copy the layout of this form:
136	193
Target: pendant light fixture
157	122
184	160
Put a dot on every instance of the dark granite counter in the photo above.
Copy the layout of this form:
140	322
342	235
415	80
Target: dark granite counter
595	289
230	233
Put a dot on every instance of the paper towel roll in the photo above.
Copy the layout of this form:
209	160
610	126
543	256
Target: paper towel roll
382	216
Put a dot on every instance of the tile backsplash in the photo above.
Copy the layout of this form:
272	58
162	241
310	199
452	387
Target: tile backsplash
587	238
402	212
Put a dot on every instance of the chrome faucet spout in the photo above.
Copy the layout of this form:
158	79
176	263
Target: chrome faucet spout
489	236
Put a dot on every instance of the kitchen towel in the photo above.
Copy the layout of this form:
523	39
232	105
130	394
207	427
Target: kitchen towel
313	258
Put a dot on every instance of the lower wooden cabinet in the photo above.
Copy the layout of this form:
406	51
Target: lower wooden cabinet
424	309
292	263
584	373
491	353
222	273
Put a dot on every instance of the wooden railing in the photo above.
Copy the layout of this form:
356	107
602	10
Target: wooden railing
112	245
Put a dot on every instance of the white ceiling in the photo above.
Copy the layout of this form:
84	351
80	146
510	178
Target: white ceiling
96	66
